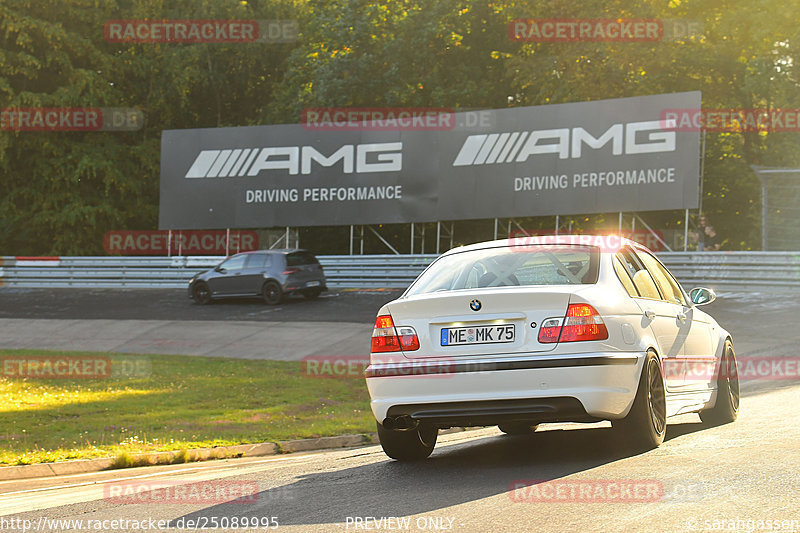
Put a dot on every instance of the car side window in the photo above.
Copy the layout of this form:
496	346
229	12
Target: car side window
625	277
670	288
642	280
234	263
255	261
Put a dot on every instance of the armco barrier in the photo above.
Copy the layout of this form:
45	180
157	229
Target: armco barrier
718	270
389	271
751	271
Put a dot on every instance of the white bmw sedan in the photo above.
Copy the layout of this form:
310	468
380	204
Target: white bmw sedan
521	332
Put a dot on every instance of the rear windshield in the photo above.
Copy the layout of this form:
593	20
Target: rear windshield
509	266
301	258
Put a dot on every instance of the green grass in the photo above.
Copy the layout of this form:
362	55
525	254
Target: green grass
183	403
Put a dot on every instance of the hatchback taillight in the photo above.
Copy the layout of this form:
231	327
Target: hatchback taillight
387	338
581	323
290	271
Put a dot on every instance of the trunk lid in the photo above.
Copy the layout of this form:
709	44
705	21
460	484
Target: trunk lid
448	326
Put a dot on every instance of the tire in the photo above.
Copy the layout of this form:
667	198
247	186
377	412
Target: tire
410	445
201	293
517	428
726	407
271	292
646	424
312	294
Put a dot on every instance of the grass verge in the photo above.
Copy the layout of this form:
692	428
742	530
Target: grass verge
169	403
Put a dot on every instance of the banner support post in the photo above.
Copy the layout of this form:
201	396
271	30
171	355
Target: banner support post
452	228
169	243
620	223
227	241
412	238
686	231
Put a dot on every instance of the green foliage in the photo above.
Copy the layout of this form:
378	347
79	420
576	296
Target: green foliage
63	190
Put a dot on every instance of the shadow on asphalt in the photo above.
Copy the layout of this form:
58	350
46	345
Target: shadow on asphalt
453	475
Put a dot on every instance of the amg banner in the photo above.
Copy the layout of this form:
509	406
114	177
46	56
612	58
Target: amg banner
588	157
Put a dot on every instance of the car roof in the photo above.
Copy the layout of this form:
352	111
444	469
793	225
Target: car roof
606	243
275	251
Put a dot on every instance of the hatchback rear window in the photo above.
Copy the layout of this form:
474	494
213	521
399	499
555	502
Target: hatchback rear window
301	258
508	266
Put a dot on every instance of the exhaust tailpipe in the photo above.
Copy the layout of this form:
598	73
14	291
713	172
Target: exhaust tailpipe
399	423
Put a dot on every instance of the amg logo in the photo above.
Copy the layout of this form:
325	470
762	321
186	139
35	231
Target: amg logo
518	146
378	157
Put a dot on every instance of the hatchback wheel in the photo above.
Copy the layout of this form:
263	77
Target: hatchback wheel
201	293
726	408
646	423
272	293
408	445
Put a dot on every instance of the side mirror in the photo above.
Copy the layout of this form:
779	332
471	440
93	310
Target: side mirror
219	269
702	296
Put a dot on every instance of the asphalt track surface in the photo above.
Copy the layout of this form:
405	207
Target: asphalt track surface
737	477
339	323
343	305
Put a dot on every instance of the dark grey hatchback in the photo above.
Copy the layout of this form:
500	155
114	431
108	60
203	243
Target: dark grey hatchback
271	274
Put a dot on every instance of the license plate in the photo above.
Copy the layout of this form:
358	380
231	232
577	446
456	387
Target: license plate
496	333
312	284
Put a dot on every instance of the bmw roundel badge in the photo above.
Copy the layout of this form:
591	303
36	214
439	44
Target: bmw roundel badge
475	305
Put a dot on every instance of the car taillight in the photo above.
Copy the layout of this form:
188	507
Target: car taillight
550	330
290	271
385	338
581	323
408	339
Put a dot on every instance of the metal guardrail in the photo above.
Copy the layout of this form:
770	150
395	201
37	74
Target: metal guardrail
719	270
735	270
387	271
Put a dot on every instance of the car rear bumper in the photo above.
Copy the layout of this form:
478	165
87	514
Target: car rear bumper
298	287
583	387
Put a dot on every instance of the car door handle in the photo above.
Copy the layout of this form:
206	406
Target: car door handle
649	314
681	317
